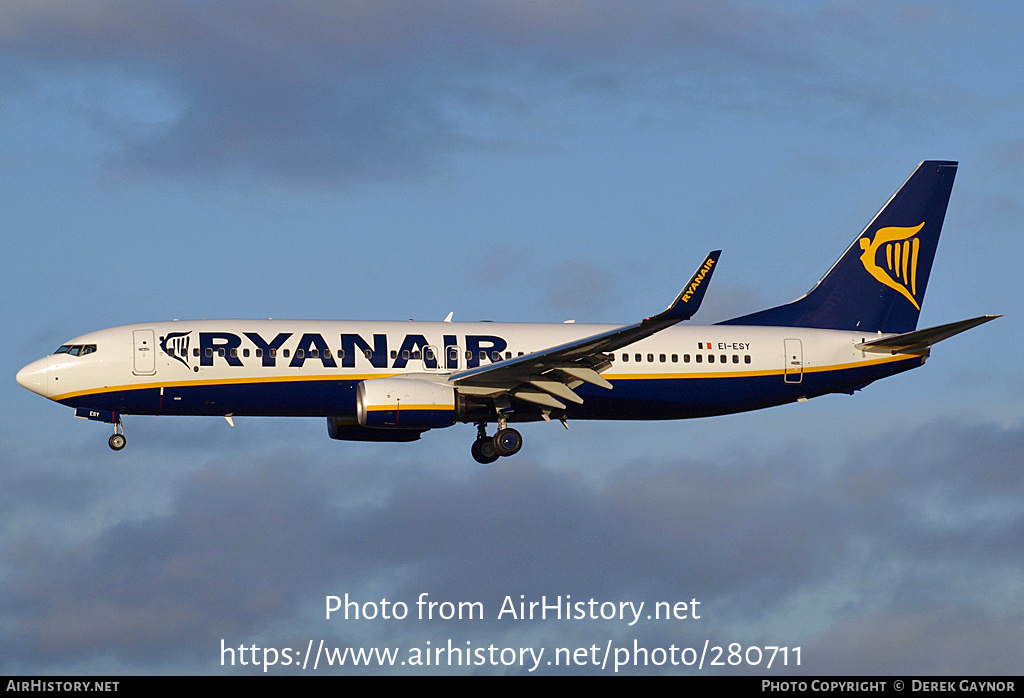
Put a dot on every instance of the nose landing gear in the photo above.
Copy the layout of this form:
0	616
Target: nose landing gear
117	441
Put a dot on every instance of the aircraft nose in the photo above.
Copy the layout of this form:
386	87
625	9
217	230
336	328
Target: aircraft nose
34	377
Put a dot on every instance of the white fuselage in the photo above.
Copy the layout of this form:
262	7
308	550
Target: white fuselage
311	368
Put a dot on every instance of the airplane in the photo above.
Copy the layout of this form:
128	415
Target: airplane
393	381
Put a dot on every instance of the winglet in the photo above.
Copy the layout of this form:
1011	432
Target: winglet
689	299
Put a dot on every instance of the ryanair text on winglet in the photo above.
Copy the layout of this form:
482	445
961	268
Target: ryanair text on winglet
697	280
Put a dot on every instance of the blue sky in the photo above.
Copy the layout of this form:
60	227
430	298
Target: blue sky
521	162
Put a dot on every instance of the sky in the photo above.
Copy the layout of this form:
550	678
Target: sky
526	161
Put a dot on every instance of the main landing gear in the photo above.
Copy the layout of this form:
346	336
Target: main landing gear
117	440
487	449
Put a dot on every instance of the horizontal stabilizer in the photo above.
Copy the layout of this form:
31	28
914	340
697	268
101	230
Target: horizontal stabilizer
910	342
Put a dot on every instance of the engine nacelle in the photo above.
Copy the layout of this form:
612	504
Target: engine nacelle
407	403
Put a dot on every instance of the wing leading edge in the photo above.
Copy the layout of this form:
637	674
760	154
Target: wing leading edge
547	377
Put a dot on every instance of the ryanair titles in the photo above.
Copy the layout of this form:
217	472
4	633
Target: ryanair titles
201	349
698	279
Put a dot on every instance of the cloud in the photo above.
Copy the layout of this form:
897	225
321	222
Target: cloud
905	529
317	92
946	640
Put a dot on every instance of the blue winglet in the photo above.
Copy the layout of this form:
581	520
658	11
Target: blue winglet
689	299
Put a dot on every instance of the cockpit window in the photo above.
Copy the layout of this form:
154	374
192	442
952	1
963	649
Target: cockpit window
76	349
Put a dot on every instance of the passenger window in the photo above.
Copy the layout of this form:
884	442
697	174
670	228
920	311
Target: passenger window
662	358
639	358
405	354
675	358
286	353
234	353
453	354
220	352
209	352
245	353
195	352
746	359
686	358
735	358
495	356
394	353
416	355
711	358
723	358
699	358
259	353
625	358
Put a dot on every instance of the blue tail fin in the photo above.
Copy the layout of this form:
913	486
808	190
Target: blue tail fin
879	283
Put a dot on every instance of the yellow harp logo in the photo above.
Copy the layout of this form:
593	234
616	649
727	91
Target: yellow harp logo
900	246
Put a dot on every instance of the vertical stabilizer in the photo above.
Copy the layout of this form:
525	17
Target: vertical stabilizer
879	282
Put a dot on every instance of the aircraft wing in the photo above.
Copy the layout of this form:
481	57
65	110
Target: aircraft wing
919	340
548	376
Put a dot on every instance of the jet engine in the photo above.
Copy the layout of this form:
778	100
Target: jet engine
407	403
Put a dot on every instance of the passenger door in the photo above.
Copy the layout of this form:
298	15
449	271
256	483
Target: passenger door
145	352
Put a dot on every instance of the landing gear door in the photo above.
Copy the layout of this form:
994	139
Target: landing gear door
145	352
794	357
